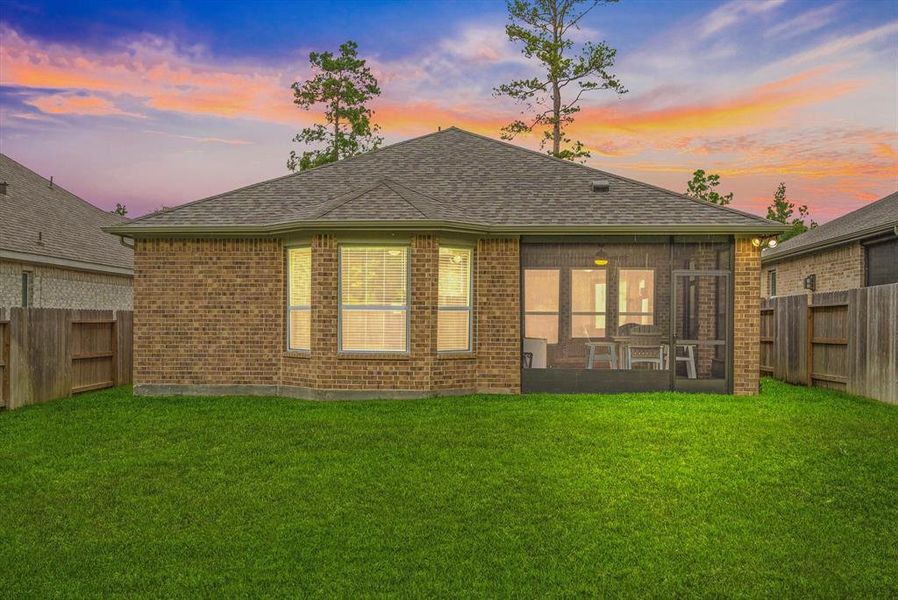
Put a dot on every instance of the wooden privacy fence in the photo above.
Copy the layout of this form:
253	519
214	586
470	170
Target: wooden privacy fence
48	353
842	340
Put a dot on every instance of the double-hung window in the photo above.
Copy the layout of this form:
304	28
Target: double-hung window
454	304
588	300
299	310
541	304
636	295
373	299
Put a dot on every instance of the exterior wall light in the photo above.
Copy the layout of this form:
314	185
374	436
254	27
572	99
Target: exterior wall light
769	242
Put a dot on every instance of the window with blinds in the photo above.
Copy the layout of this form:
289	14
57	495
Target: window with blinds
455	300
373	299
299	309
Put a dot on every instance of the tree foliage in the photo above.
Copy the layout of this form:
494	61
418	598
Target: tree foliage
782	210
120	209
702	185
344	85
552	100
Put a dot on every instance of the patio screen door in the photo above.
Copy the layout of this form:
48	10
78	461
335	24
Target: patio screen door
701	340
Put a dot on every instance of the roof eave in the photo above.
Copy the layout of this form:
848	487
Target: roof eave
64	263
135	230
830	243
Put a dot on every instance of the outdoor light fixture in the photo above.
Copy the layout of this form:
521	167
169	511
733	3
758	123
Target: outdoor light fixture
601	258
769	242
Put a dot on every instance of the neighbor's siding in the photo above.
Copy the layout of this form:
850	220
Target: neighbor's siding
837	269
54	287
746	318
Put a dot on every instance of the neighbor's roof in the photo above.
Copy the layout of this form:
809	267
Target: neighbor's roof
451	179
873	219
50	225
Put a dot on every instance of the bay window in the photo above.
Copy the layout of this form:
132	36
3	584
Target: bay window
299	309
454	301
373	299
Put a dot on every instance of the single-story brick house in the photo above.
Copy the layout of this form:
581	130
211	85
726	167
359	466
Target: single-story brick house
53	252
856	250
449	263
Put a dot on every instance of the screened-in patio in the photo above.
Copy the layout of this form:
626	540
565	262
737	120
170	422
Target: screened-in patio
626	313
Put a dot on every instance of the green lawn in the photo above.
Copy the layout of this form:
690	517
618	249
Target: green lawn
794	493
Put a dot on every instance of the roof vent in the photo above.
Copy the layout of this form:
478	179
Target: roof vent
2	188
601	185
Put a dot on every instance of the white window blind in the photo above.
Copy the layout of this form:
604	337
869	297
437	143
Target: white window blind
454	304
299	309
373	299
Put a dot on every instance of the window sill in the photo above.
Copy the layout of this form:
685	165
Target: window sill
457	355
298	353
373	356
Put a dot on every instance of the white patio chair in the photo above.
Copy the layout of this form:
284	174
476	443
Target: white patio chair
604	351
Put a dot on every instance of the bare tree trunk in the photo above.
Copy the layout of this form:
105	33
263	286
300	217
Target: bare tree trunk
336	131
556	117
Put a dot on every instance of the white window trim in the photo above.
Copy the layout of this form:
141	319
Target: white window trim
469	308
406	307
297	308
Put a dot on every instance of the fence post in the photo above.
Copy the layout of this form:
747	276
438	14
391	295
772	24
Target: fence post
810	328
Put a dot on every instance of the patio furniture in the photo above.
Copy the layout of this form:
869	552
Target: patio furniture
645	348
688	358
604	351
536	348
601	350
527	360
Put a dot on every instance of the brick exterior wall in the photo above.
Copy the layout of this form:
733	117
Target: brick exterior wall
55	287
208	312
746	318
212	313
839	268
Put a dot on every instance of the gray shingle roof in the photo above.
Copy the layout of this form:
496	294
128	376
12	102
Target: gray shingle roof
457	176
69	227
873	219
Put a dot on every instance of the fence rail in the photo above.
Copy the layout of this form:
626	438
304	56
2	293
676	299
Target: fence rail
843	340
48	353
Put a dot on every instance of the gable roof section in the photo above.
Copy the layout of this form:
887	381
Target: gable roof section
873	219
451	177
69	227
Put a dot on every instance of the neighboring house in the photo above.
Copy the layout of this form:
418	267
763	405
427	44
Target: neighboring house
856	250
53	253
445	264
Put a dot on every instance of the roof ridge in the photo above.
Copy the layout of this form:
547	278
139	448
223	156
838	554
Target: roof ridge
608	173
56	186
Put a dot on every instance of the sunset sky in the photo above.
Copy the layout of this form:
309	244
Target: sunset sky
161	103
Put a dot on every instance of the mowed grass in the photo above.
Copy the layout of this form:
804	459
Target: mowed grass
794	493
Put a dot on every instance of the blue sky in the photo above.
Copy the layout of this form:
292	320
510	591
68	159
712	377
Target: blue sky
155	104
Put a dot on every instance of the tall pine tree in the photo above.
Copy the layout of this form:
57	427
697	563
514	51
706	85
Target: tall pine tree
344	85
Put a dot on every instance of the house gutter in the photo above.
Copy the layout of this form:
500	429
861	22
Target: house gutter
136	230
830	243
